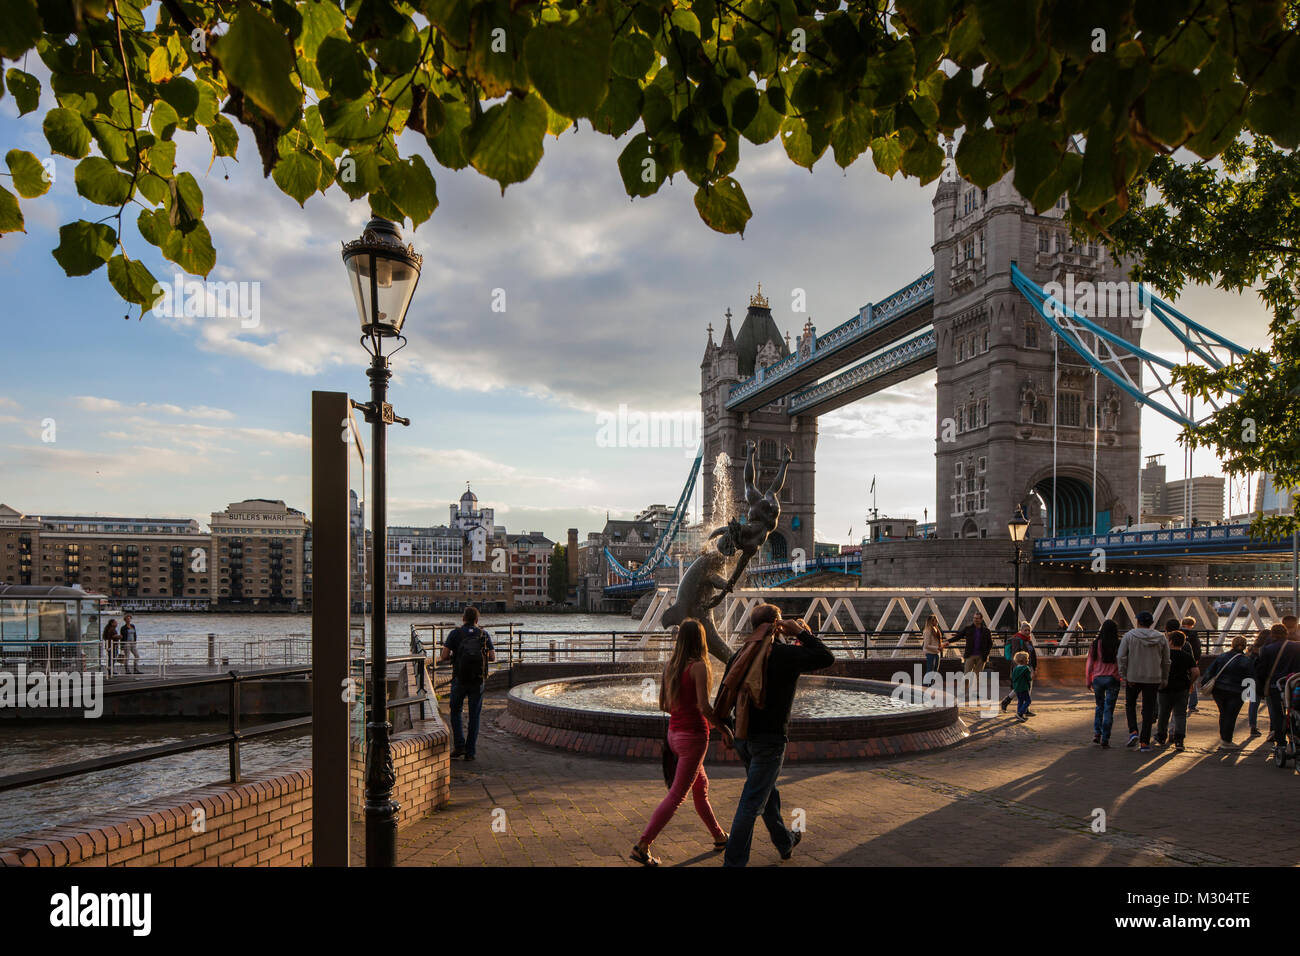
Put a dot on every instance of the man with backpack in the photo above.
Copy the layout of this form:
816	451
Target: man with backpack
470	650
1023	641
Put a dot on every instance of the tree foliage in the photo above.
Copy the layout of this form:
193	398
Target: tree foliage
1234	224
557	578
323	91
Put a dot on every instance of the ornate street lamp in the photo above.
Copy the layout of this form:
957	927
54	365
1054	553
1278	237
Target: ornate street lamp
1017	527
383	274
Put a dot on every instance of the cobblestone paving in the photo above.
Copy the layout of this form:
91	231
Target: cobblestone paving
1010	794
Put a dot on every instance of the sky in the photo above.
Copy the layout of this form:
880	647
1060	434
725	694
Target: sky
606	302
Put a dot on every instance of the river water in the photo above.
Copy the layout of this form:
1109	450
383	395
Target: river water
239	639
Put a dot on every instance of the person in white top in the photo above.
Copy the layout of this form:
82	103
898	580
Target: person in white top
932	644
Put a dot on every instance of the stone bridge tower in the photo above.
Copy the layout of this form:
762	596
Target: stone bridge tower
758	344
1000	387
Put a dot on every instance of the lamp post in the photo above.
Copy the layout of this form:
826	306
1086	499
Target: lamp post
383	274
1017	528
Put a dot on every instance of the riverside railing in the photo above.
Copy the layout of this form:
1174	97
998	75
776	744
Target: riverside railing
232	738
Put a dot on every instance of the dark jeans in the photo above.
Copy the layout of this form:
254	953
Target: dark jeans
1252	713
1229	704
1276	724
1148	693
1106	690
459	695
1022	703
1173	704
931	663
763	755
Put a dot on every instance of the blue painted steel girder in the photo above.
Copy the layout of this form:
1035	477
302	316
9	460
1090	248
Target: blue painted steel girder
908	358
874	327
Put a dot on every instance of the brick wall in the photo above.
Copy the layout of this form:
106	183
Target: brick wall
264	821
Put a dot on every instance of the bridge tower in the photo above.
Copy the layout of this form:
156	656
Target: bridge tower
999	386
738	356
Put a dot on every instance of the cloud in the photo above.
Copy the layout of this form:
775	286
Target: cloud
92	403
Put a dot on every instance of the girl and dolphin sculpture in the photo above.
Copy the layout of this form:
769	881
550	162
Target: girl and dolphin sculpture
703	587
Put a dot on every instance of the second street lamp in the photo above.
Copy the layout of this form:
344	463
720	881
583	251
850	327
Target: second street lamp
1017	527
383	274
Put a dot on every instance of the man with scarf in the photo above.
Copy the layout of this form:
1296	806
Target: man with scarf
759	684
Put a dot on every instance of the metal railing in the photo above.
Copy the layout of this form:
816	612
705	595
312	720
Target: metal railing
161	654
232	738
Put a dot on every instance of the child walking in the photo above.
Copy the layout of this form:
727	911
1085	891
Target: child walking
1022	680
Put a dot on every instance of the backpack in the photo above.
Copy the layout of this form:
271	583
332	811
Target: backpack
471	657
1013	644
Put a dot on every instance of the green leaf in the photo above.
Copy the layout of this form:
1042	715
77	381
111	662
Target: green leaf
132	280
348	123
192	250
189	197
800	144
66	133
160	67
410	185
256	56
154	226
25	88
29	175
181	94
505	143
621	109
319	19
639	169
11	217
343	67
1276	116
923	159
446	143
20	27
110	140
164	119
979	157
887	154
225	138
851	136
1035	155
358	173
1012	28
632	56
297	175
101	182
1173	105
569	65
84	247
723	206
765	124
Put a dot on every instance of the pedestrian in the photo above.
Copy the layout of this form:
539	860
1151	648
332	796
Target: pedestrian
1066	633
1289	622
1171	726
470	650
1022	680
1102	674
932	644
111	638
127	643
684	694
1021	641
978	643
1225	681
1193	645
1252	709
759	684
1278	658
1143	661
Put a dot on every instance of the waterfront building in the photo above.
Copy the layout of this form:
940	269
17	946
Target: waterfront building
1167	501
257	544
883	528
139	562
530	567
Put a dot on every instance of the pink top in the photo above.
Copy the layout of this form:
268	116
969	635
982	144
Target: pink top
685	715
1097	668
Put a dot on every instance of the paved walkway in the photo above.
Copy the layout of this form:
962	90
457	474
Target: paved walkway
1011	794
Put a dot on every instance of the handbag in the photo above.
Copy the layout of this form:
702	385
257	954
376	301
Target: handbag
1207	685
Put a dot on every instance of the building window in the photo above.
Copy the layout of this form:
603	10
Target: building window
957	470
961	350
1040	412
968	248
984	416
1069	409
968	202
1044	240
972	416
1031	334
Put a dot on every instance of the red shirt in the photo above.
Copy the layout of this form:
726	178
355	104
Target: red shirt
685	715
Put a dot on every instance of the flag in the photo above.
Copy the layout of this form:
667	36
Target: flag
873	485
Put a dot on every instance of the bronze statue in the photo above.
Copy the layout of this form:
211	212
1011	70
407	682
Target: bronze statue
702	587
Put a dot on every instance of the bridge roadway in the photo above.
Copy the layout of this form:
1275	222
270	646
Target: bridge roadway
877	326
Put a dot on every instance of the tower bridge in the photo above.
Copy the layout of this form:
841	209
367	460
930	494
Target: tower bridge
1038	406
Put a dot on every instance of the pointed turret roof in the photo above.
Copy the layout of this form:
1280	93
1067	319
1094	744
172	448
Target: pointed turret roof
758	328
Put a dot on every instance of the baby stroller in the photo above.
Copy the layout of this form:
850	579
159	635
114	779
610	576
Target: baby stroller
1288	742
